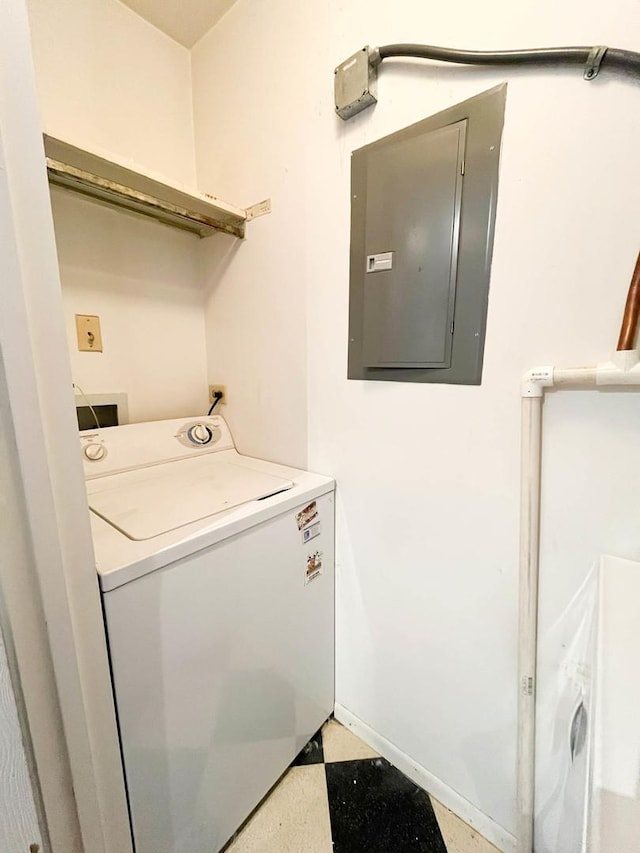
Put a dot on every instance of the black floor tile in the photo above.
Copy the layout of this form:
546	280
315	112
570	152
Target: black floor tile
375	809
312	752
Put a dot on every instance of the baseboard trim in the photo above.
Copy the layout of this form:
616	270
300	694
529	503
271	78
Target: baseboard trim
465	810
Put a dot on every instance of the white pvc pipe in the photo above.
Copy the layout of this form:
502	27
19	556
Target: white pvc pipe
622	370
531	450
530	484
575	376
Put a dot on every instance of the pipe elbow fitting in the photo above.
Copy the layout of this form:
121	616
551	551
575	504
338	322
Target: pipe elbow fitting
536	380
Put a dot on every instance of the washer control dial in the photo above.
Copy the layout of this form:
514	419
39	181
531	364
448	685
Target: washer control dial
200	434
95	452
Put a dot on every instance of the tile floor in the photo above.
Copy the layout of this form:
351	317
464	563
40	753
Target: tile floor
340	796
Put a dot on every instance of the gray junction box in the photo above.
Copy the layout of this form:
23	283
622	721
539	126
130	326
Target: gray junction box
422	217
355	84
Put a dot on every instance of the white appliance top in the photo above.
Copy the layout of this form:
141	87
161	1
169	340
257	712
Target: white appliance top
159	491
149	501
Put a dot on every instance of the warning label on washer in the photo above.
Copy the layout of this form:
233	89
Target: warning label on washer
311	532
314	566
307	515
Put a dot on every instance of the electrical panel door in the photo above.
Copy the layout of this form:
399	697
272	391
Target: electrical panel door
414	188
423	206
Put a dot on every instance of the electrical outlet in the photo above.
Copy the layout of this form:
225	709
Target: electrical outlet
88	332
214	389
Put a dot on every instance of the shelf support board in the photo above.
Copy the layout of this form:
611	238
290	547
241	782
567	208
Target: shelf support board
172	209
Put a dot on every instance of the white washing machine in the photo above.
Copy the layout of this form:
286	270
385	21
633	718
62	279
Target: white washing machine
217	580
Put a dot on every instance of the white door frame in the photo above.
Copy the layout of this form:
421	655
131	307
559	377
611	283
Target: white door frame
55	619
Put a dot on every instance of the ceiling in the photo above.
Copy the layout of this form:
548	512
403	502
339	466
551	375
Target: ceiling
186	21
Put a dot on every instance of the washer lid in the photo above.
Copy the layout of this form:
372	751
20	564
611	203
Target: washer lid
149	501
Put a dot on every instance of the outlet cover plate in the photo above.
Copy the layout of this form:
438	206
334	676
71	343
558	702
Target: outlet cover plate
212	391
88	332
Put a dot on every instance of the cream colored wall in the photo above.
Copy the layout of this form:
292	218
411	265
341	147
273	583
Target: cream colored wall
255	337
428	475
142	279
107	79
256	310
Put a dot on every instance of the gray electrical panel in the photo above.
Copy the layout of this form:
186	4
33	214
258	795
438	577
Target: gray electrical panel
414	187
423	208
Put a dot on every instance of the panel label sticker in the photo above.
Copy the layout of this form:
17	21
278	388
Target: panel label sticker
377	263
314	567
307	515
311	532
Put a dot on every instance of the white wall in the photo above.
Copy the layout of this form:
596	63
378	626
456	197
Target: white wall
143	280
428	476
107	79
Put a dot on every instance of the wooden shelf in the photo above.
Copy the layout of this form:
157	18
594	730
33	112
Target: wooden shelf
110	182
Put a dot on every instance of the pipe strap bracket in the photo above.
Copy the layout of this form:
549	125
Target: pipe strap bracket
594	60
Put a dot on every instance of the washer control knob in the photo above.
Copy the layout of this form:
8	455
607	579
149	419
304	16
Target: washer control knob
95	452
199	434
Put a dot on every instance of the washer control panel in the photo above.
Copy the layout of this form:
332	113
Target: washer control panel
116	449
95	450
198	434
